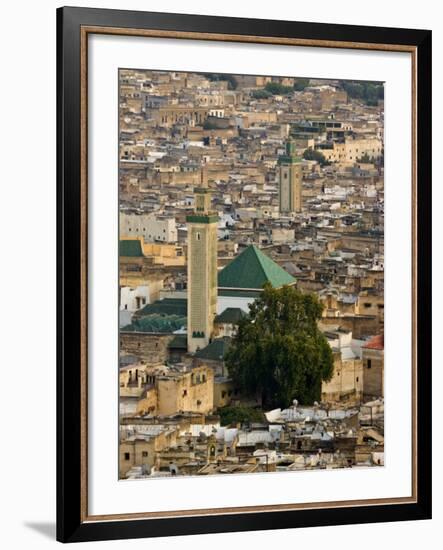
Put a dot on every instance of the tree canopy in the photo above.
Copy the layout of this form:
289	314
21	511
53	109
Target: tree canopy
315	154
279	353
365	158
300	84
275	88
244	415
369	92
260	94
209	125
230	78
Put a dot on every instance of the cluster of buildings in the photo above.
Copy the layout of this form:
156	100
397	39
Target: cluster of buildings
226	186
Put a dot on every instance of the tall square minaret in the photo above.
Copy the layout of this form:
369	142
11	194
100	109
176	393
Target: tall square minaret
202	268
289	181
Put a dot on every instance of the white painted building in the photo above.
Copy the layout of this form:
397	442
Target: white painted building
151	227
132	299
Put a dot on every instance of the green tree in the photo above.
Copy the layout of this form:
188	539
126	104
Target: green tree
276	88
365	159
242	414
230	78
300	84
369	92
315	154
209	125
278	353
260	94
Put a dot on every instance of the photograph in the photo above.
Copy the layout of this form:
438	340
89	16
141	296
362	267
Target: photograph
251	273
232	278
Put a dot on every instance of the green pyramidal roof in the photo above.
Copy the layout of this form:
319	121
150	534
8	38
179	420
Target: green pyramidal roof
252	269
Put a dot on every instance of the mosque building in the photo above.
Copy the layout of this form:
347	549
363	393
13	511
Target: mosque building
213	298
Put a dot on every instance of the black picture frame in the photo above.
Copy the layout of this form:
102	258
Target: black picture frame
71	524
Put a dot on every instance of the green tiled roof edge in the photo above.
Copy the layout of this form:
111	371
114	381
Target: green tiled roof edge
289	160
195	218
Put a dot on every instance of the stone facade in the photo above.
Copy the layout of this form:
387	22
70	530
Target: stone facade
353	149
150	347
142	450
346	382
169	115
373	370
189	392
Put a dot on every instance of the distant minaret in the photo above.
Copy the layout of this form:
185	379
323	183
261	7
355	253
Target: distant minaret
202	267
289	180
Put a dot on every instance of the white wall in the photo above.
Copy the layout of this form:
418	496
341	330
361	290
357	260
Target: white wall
28	67
148	226
128	297
223	302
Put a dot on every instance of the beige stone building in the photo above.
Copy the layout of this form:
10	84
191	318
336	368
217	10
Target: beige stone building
373	367
353	149
138	259
139	446
169	115
325	98
371	304
150	347
224	392
164	391
192	391
347	380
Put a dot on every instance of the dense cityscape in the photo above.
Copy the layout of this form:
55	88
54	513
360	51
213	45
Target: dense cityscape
251	266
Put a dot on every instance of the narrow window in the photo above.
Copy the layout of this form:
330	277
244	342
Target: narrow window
127	456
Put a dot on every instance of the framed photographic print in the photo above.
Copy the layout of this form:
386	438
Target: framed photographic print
244	274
